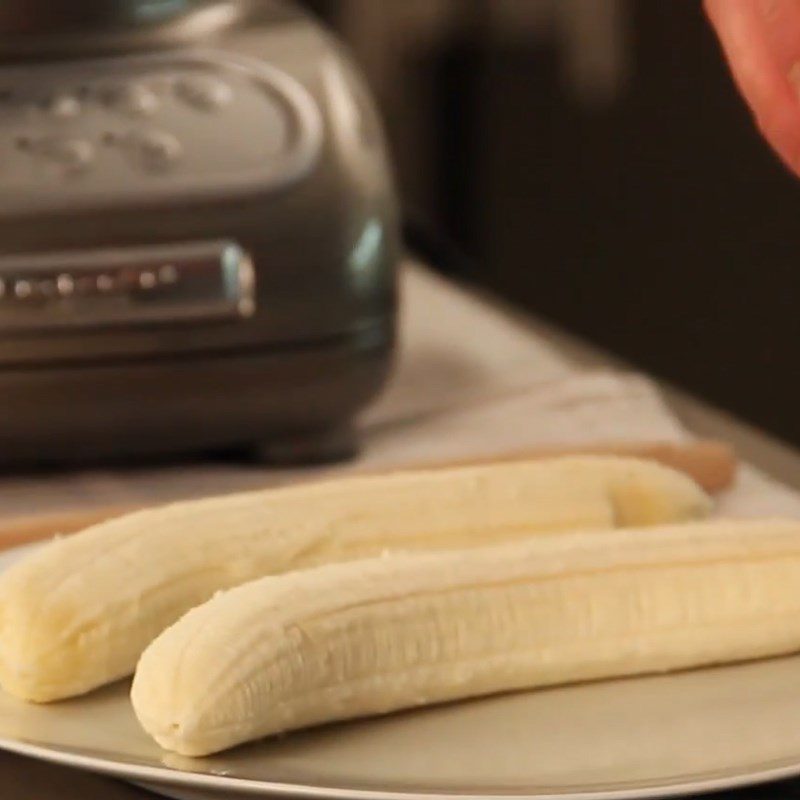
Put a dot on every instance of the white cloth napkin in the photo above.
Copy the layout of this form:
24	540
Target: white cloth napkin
586	408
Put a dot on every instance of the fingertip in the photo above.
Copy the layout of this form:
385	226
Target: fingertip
780	126
763	52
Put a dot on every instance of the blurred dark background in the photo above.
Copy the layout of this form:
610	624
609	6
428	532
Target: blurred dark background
594	164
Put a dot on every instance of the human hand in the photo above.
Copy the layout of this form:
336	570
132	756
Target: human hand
761	41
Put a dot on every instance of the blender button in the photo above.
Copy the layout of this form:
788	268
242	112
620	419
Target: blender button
72	154
205	93
63	106
157	150
147	280
135	99
23	289
65	285
168	274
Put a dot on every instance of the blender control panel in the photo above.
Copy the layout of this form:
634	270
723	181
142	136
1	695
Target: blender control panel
194	281
147	128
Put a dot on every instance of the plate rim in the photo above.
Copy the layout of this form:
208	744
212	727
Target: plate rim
248	787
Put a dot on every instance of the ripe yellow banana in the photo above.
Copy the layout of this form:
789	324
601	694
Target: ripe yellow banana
80	612
370	637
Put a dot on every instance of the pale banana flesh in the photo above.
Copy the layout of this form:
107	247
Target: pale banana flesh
369	637
79	613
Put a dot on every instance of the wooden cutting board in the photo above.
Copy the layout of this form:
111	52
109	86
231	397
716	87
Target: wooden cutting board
711	463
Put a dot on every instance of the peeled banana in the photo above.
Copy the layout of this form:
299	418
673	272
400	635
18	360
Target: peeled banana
79	613
370	637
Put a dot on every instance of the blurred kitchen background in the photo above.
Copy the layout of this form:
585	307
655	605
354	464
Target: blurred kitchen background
590	161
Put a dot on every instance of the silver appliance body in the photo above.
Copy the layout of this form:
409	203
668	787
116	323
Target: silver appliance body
198	232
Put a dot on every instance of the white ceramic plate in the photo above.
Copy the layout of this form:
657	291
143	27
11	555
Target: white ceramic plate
655	736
